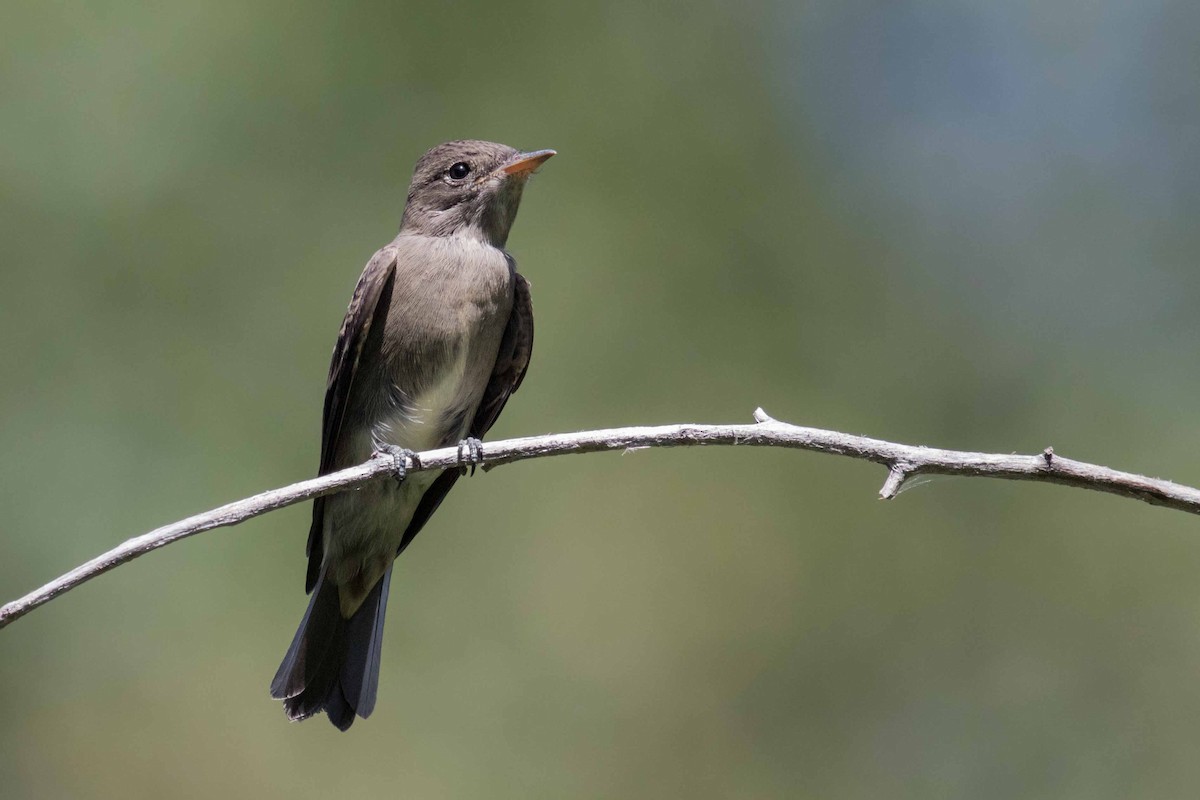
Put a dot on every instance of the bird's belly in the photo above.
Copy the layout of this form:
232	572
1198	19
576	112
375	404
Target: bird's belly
365	527
423	422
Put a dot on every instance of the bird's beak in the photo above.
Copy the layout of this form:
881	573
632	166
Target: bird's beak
525	164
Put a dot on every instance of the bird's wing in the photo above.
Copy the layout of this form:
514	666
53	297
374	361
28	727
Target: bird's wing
512	361
362	328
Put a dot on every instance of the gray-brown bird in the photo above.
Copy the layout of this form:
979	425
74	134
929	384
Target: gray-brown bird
437	336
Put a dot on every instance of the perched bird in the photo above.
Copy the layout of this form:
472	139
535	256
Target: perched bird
437	336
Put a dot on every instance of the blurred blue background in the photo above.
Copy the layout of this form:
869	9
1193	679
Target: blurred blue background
958	223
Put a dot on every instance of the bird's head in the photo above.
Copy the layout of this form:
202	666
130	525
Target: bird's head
469	188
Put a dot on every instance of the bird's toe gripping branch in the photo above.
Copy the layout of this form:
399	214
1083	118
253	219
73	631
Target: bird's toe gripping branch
401	458
470	453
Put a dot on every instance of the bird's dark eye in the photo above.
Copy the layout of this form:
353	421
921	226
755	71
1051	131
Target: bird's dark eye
459	171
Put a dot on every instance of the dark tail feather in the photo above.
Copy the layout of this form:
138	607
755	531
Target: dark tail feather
333	663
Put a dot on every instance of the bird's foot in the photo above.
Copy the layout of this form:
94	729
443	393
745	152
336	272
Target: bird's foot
401	459
470	453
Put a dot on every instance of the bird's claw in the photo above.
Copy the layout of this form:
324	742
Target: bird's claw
473	456
401	456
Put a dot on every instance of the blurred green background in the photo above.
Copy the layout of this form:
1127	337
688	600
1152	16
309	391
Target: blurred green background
961	223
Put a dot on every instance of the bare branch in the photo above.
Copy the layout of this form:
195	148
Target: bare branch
897	475
902	461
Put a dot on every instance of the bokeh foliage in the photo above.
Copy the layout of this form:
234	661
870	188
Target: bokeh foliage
954	223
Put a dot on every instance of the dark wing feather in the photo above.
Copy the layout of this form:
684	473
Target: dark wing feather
512	361
363	325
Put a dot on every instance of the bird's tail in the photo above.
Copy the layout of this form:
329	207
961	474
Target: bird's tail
333	663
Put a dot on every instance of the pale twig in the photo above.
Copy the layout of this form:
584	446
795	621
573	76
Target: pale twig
902	461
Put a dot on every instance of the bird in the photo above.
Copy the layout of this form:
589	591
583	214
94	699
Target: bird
437	337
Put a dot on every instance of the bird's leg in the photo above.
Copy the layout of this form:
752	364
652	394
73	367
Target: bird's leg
401	456
470	452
